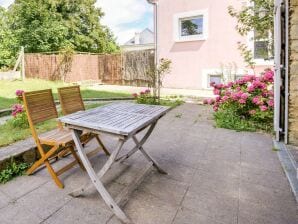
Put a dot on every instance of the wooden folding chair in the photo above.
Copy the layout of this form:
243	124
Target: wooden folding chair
71	101
40	107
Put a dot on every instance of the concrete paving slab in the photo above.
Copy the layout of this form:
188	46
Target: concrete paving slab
4	200
252	213
144	208
15	213
187	216
79	211
164	188
23	185
277	200
45	200
220	207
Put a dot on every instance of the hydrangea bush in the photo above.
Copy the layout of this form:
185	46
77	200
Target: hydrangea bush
246	104
19	113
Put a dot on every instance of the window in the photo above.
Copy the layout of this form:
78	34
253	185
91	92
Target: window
214	78
262	47
190	26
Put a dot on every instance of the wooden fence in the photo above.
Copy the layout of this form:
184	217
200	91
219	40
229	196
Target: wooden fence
127	68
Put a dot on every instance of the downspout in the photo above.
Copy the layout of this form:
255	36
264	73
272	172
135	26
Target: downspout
155	5
278	66
286	2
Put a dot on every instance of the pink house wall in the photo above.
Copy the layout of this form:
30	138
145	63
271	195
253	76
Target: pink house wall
189	59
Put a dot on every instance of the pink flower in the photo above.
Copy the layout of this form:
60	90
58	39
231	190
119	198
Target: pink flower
268	76
135	95
211	101
252	112
263	108
216	91
270	103
215	108
242	101
225	98
244	96
218	98
147	91
212	84
230	84
142	93
19	93
228	93
258	100
251	88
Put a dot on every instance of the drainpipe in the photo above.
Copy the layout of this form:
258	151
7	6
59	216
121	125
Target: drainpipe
287	72
278	66
155	5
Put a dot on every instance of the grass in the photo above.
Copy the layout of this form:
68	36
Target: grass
8	88
11	134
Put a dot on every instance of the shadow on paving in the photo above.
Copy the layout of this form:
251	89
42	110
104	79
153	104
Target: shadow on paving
214	176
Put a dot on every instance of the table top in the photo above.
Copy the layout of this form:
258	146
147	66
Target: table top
116	118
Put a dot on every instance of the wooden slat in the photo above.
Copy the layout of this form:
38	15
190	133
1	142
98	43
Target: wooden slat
70	99
40	105
117	118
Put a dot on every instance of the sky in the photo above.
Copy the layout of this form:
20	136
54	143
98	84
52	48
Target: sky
123	17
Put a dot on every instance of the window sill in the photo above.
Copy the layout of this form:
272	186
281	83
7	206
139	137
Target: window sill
191	39
260	62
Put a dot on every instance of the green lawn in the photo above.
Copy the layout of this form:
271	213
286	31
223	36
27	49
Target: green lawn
8	88
10	134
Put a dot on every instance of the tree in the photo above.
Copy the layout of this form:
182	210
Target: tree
8	47
258	17
52	25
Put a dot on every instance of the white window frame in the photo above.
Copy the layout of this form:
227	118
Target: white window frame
251	45
191	14
217	71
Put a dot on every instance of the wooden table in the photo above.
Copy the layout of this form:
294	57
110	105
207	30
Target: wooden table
123	120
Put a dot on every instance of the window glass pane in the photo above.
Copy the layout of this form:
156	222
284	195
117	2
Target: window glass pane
214	78
261	50
191	26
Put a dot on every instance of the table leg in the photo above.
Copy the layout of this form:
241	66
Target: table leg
149	158
136	148
96	180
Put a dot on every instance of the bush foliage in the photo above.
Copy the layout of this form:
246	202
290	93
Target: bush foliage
246	104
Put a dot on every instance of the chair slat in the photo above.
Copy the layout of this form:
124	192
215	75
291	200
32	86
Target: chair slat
40	105
70	99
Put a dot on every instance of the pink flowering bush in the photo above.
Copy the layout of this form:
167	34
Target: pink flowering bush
145	97
246	104
18	112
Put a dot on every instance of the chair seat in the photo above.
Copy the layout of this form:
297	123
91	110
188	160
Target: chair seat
59	136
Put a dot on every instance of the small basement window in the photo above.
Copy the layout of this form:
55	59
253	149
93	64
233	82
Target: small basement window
214	78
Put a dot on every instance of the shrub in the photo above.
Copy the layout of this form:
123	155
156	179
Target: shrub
14	169
18	112
145	97
246	104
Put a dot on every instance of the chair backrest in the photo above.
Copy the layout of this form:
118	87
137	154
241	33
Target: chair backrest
40	106
70	99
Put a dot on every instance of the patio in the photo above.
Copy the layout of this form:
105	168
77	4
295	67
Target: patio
215	176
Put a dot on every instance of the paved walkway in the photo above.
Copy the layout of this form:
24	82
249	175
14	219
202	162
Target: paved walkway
215	176
164	91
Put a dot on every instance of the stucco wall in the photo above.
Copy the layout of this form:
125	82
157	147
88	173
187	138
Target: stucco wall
293	74
191	59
